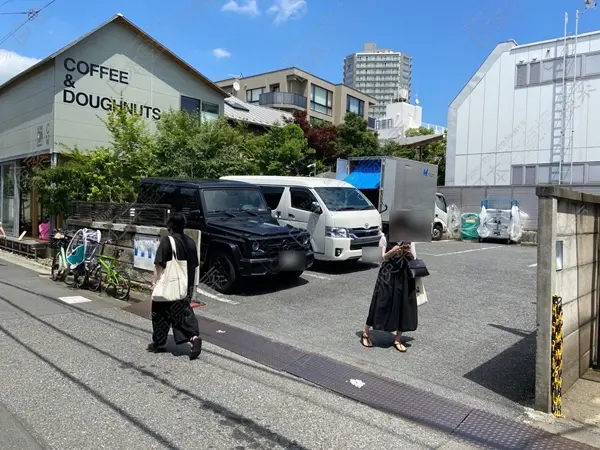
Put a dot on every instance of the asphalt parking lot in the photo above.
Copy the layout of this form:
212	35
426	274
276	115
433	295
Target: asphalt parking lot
475	342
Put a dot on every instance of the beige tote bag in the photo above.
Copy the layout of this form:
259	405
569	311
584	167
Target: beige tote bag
173	282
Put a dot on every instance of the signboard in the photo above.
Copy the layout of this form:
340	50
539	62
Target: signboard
144	251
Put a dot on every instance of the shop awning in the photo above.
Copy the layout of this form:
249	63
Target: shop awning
366	175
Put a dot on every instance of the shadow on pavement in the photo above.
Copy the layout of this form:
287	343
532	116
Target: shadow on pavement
341	267
511	373
231	418
383	339
268	285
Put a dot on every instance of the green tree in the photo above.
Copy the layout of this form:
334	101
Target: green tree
355	138
284	151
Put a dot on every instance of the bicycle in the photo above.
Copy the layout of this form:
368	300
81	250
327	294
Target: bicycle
60	268
105	272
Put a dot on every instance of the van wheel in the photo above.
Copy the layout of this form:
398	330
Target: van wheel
437	232
222	275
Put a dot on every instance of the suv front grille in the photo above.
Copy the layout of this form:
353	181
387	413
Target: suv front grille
273	247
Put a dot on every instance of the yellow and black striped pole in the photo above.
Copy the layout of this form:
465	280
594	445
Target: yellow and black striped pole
557	352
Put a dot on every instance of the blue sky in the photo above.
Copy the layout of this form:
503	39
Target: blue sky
448	40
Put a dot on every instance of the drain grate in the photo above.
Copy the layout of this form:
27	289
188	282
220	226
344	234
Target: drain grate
476	427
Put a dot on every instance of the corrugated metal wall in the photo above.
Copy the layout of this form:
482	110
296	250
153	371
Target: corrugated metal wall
468	198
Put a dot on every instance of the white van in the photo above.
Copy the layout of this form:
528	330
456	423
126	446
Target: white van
339	218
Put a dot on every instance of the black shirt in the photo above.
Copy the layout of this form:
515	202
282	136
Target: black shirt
186	251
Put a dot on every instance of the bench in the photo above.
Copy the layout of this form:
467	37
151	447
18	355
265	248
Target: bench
27	246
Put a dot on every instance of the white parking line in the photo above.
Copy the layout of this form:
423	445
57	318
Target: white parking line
458	253
216	297
320	277
533	265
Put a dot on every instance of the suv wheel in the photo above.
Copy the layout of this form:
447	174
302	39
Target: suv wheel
223	276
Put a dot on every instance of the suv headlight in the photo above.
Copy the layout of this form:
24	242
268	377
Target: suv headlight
255	246
336	232
305	239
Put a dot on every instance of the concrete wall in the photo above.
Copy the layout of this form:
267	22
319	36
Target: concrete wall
574	219
26	116
150	80
493	125
123	235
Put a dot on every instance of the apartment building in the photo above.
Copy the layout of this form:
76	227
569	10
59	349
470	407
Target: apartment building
293	89
380	73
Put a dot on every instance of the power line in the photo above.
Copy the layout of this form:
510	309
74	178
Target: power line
32	14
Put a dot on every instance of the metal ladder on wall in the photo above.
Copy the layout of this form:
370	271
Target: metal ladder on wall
562	136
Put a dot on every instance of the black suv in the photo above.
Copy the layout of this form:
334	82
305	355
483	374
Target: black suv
239	237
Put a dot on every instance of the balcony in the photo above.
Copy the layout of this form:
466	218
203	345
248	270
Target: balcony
283	100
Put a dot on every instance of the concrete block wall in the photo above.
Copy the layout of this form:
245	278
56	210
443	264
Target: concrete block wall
571	218
123	235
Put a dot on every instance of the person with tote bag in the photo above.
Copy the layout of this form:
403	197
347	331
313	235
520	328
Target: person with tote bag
172	290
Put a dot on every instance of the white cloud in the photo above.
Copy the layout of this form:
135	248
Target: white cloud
248	7
285	10
221	53
12	63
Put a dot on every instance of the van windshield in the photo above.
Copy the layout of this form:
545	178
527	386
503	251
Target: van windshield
228	200
343	199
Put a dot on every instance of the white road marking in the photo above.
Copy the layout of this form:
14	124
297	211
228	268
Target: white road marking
320	277
462	251
533	265
216	297
75	299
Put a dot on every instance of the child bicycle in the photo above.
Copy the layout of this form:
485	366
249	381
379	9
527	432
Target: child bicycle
105	273
60	268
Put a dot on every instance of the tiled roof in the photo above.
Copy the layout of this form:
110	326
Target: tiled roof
254	114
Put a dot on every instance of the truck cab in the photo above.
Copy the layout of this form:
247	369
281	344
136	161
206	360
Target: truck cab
239	236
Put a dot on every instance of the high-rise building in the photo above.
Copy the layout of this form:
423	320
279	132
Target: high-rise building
380	73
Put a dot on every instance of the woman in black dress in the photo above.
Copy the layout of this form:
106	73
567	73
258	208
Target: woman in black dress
394	303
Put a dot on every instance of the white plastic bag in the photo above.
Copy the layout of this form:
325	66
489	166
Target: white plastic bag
483	230
515	229
173	282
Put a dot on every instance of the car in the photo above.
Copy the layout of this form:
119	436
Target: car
239	236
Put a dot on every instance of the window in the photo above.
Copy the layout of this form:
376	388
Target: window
440	203
316	122
517	175
530	175
210	111
302	198
189	104
233	200
593	173
186	201
535	73
570	67
274	87
543	174
272	195
321	100
252	95
592	64
548	71
577	173
521	75
343	199
355	105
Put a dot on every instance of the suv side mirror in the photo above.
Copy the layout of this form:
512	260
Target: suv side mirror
315	208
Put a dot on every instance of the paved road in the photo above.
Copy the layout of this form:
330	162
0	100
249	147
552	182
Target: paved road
475	340
76	376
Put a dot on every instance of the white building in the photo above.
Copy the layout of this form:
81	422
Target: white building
379	73
506	125
400	117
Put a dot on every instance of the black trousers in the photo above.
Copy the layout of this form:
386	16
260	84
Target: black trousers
178	315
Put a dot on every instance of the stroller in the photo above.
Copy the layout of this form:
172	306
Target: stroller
80	254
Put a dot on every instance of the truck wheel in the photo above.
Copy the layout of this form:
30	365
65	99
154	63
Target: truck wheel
222	275
437	232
